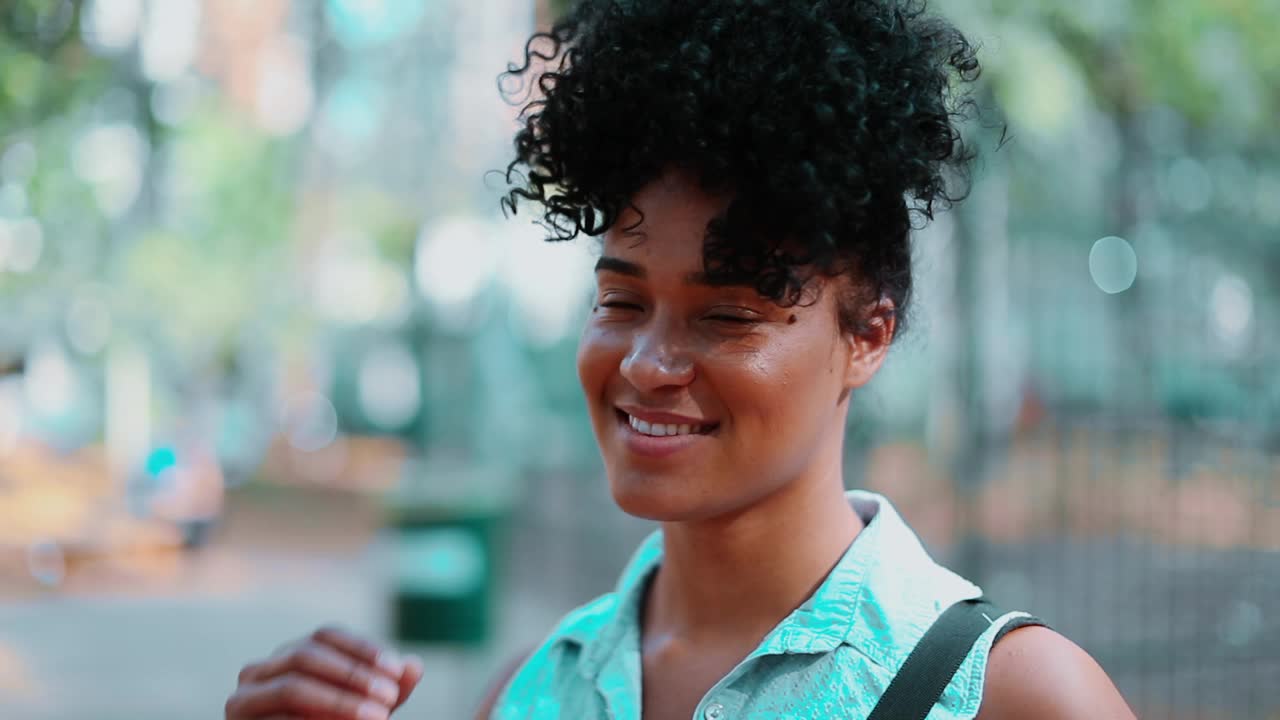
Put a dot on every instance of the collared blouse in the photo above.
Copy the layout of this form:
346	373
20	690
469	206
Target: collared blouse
831	658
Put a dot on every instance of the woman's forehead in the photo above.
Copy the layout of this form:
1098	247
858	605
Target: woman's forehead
666	221
660	247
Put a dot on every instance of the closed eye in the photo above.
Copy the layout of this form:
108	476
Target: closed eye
620	305
733	319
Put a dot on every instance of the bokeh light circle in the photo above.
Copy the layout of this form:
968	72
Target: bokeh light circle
389	386
1231	310
1113	264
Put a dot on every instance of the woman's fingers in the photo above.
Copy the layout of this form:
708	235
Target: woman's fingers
405	671
357	647
324	663
331	674
302	695
413	670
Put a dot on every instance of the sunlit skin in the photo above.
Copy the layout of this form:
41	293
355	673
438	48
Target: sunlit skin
753	509
663	344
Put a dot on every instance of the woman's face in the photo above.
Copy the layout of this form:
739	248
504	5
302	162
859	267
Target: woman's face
704	399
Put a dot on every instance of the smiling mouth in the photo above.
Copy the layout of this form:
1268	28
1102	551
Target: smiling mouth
663	429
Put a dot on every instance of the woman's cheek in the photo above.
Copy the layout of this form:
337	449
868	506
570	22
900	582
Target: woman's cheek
599	351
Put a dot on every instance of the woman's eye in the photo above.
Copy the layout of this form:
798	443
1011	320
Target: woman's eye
619	305
733	319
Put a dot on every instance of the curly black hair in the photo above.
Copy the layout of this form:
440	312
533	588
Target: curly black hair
831	123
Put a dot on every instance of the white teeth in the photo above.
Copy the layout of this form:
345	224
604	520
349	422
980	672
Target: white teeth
662	429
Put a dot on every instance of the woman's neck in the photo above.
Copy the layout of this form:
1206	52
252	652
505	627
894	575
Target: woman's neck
726	578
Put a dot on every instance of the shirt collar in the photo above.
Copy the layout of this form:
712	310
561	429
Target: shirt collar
828	618
628	594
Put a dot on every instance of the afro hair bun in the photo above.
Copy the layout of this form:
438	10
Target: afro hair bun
830	122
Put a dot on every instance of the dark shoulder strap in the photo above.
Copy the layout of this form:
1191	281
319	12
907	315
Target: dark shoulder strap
935	659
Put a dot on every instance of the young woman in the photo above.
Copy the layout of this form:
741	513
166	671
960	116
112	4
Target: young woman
753	168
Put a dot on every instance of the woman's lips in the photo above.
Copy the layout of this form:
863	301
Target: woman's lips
639	417
653	434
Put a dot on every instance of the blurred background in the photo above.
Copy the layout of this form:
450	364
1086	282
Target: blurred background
271	357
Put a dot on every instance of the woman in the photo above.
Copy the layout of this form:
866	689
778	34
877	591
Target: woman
754	167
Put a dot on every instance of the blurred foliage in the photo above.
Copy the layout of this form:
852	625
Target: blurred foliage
1205	58
1143	119
44	68
215	194
559	7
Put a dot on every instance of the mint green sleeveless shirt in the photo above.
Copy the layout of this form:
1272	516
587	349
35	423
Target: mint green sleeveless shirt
831	658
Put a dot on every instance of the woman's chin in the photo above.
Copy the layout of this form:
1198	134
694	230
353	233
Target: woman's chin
658	499
647	499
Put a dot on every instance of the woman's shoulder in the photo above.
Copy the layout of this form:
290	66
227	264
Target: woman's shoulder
1036	672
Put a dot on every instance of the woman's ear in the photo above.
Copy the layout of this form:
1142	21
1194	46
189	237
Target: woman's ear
869	344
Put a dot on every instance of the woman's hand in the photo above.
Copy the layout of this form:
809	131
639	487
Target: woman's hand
330	674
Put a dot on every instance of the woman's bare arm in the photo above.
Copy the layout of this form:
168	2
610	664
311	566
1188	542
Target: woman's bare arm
1036	674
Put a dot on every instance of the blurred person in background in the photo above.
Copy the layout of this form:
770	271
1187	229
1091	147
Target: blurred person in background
754	170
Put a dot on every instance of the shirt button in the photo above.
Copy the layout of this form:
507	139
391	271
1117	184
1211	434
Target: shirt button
714	711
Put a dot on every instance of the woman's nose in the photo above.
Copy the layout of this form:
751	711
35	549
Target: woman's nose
655	361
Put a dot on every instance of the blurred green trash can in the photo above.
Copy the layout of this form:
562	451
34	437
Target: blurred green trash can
445	564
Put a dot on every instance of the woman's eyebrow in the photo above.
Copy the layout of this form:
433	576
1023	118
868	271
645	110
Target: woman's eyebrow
620	266
630	269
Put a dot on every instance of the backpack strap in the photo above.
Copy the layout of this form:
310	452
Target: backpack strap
934	660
